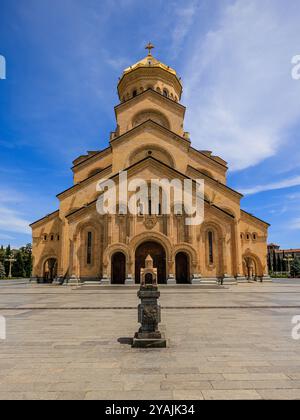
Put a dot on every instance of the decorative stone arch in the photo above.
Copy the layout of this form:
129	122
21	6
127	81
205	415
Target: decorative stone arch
158	237
151	150
206	172
188	249
219	265
230	211
113	249
79	243
252	258
45	258
41	265
213	224
150	114
185	263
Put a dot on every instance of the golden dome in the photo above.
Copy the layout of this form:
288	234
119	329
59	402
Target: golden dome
149	73
150	61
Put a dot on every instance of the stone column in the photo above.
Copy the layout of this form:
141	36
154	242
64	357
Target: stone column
228	279
171	276
238	254
74	278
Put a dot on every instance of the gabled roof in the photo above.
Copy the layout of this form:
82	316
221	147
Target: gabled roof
158	162
155	125
84	158
254	217
151	91
220	184
84	181
48	216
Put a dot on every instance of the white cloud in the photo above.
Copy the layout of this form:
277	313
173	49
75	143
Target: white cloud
184	19
295	224
240	94
5	237
286	183
12	221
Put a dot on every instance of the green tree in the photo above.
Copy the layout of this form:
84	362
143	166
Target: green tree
27	259
2	271
2	254
6	256
295	268
18	269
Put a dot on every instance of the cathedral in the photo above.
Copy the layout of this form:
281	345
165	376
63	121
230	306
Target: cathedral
75	244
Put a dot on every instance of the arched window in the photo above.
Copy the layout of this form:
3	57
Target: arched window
134	93
210	247
166	93
89	248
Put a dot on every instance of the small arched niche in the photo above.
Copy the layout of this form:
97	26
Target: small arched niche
154	151
155	116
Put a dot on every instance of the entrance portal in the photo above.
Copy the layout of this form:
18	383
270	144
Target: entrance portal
158	255
50	270
182	268
118	268
250	268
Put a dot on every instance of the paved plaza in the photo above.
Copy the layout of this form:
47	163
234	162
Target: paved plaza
229	343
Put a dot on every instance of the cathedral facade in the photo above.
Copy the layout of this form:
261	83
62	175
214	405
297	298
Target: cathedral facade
77	244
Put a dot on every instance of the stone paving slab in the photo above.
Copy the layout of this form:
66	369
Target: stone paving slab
233	343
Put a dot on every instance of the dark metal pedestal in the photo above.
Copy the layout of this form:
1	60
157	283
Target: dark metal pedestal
149	316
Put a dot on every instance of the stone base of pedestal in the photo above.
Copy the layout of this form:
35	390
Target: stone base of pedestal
242	279
229	280
267	279
129	281
72	281
196	279
105	281
149	343
171	280
209	281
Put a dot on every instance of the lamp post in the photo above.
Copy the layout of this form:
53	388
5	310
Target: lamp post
11	260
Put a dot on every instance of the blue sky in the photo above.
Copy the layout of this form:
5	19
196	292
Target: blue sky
63	63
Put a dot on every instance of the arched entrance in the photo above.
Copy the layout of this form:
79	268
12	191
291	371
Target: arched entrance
182	268
250	268
118	268
50	270
158	255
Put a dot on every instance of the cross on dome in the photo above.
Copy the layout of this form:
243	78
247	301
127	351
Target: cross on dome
149	47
